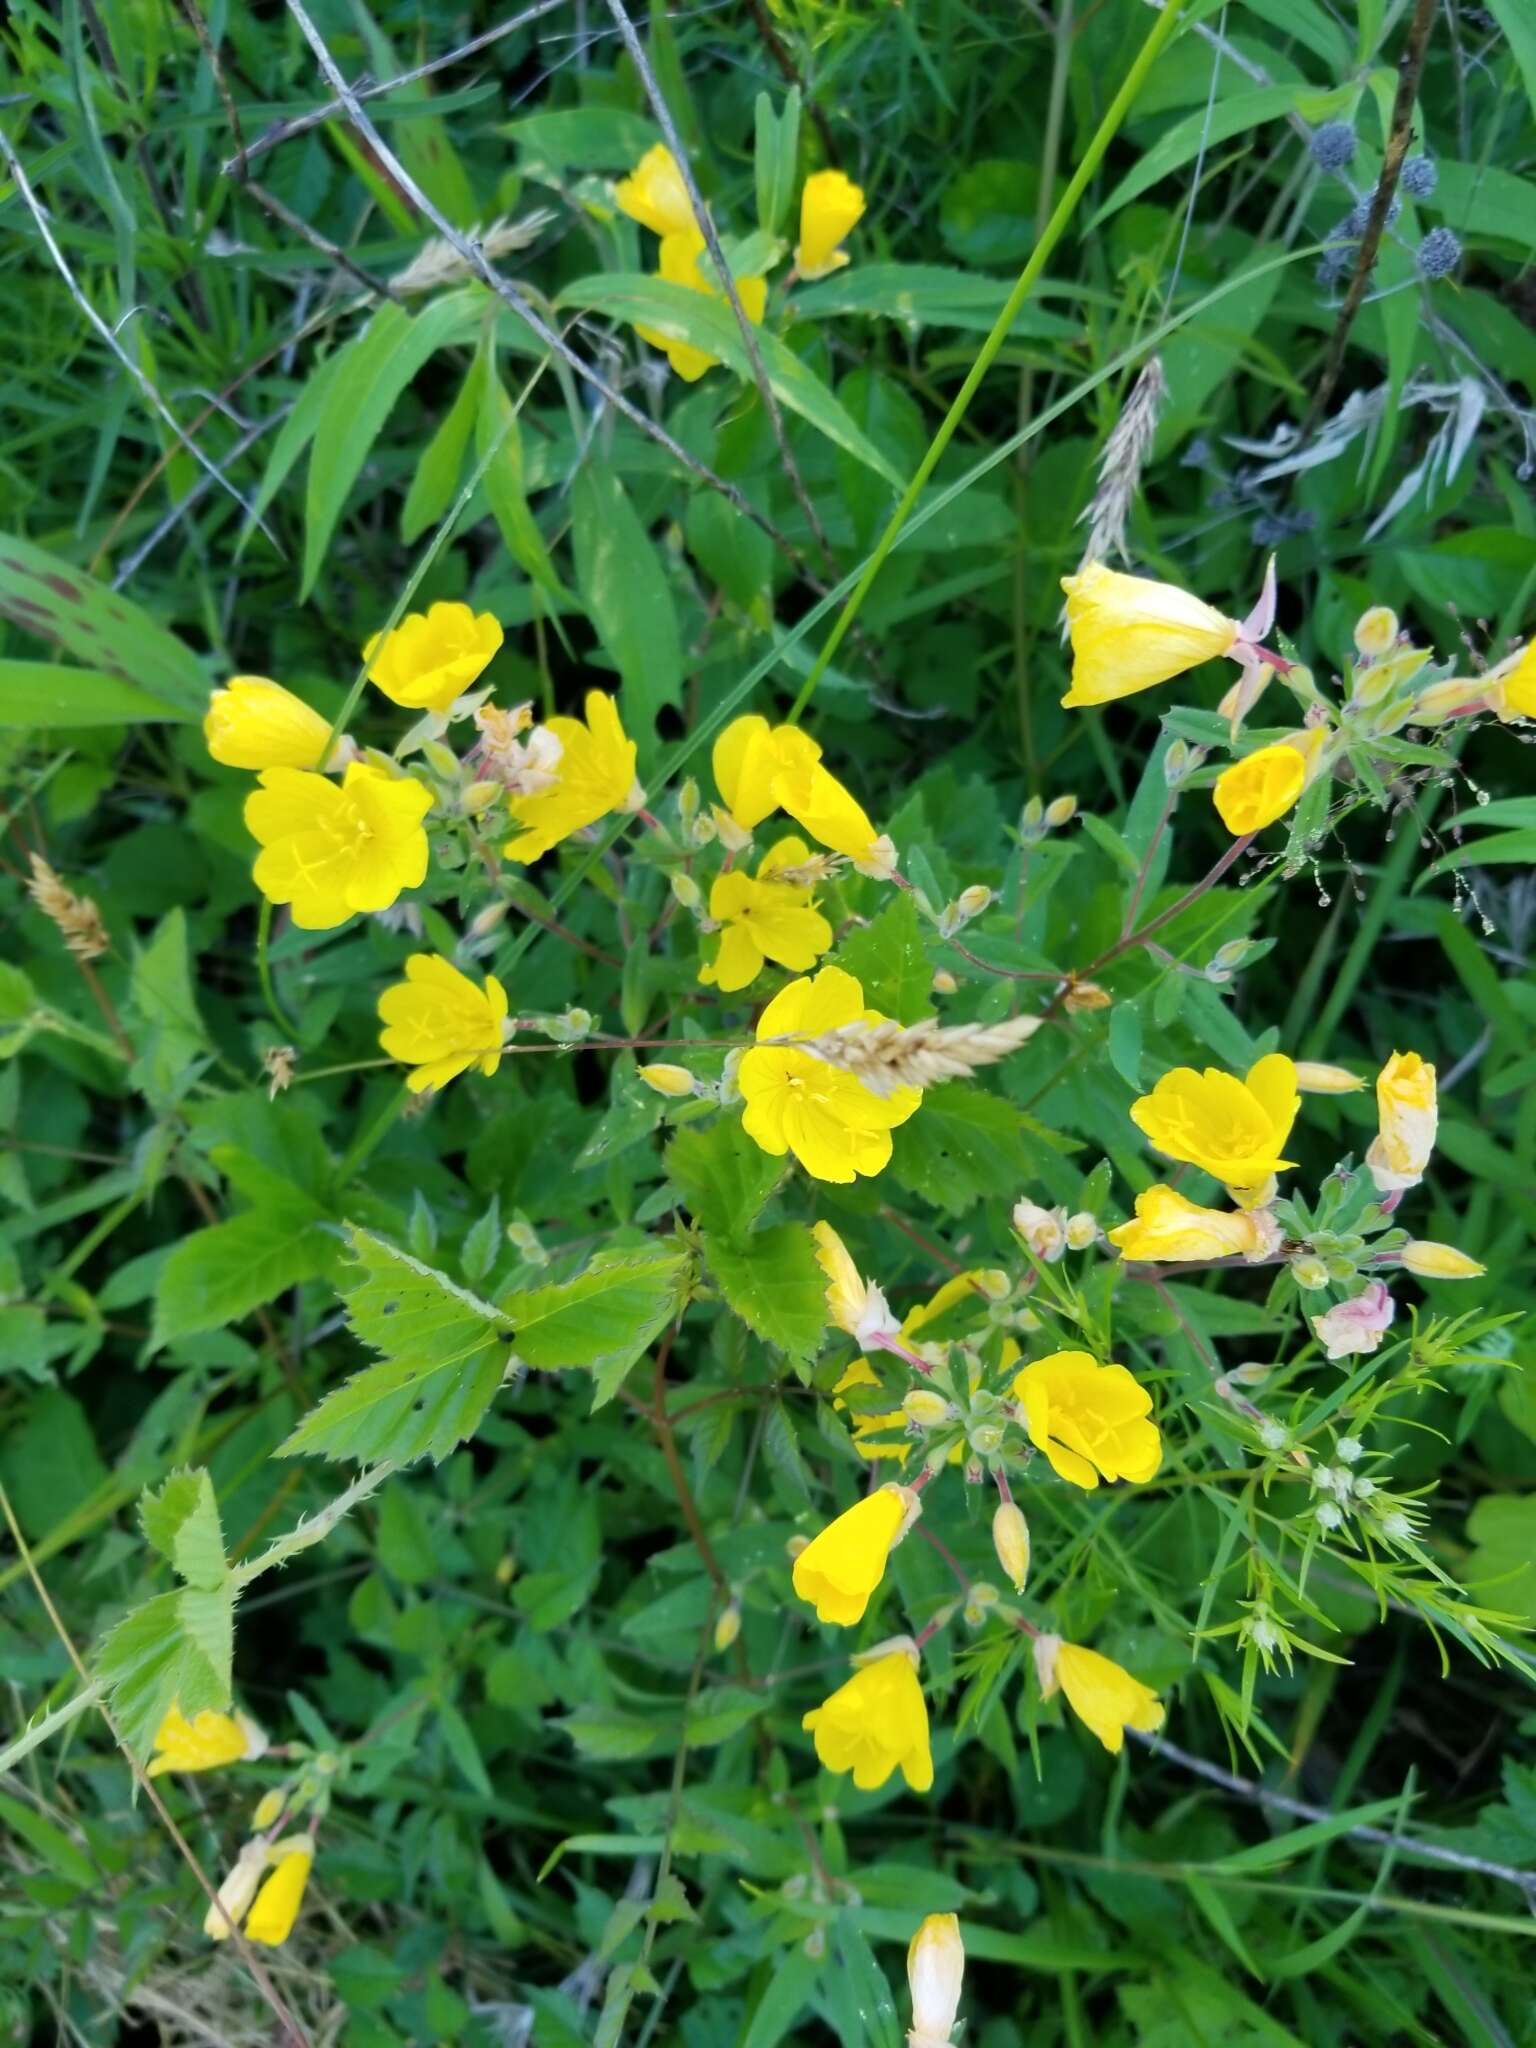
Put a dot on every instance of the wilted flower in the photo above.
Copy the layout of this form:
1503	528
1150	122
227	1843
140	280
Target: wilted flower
839	1569
439	1023
329	850
1043	1230
855	1305
831	205
524	766
256	723
595	775
432	657
1235	1130
1358	1324
876	1723
935	1972
1408	1113
236	1892
1104	1697
1169	1226
1088	1418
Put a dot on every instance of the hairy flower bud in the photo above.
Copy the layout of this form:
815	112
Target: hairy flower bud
1375	630
925	1407
1010	1539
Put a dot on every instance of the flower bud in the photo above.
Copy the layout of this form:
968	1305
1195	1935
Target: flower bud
943	983
1086	995
1032	824
1375	630
992	1282
973	901
1309	1271
634	799
987	1439
686	890
925	1407
1010	1539
1314	1078
1082	1230
1253	1373
688	800
268	1807
440	759
480	796
729	833
506	1568
1176	763
574	1023
793	1545
236	1892
727	1627
935	1972
1449	699
1439	1261
1043	1230
667	1080
815	1943
1061	810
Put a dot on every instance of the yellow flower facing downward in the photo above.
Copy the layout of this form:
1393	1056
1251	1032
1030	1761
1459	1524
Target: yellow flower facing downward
678	263
1514	692
1407	1109
838	1570
277	1903
835	1126
329	850
935	1974
820	805
765	919
1235	1130
749	757
1089	1418
255	723
831	206
205	1743
1104	1697
1129	634
876	1723
595	775
1263	786
432	657
654	194
439	1023
1169	1226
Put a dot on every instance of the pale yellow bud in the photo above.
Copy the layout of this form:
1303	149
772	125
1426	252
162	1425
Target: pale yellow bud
1061	810
1309	1271
973	901
236	1892
727	1627
793	1545
688	800
268	1807
1383	677
440	759
943	983
993	1283
667	1080
1032	820
986	1439
1445	700
1375	630
1010	1539
1314	1078
935	1973
687	891
1082	1229
480	796
1433	1261
486	921
731	835
925	1407
506	1569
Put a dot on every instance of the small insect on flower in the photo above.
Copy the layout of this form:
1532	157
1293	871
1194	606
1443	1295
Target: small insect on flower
205	1743
1089	1419
839	1570
876	1723
831	206
1235	1130
765	919
1104	1696
1168	1226
678	262
439	1023
271	1918
595	775
1407	1110
255	723
1356	1325
935	1973
432	657
655	195
1130	634
330	850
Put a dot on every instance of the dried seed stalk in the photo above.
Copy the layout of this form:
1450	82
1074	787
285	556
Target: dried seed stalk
888	1056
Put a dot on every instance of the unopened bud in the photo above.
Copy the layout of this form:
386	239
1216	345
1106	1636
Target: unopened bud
1010	1539
1082	1230
634	798
973	901
793	1545
506	1568
573	1024
925	1407
524	1240
686	890
667	1080
440	759
1086	995
935	1973
1375	630
1061	810
1176	763
701	830
943	983
688	800
987	1439
486	921
268	1807
733	837
1032	824
480	796
815	1944
1439	1261
1309	1271
1448	699
1313	1077
727	1627
1251	1374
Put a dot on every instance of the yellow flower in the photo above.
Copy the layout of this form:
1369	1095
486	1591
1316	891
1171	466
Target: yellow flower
1105	1698
749	757
820	805
439	1023
654	194
277	1903
839	1569
935	1973
874	1723
1236	1130
236	1892
1088	1418
255	723
330	850
678	263
1514	694
1169	1226
1129	634
205	1743
831	206
432	657
869	1429
835	1126
594	775
1313	1077
1407	1110
1010	1539
1433	1261
765	920
1260	788
855	1305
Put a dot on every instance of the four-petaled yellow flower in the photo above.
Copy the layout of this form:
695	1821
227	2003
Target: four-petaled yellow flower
764	920
875	1723
654	194
1407	1108
432	657
1169	1226
205	1743
835	1126
1129	634
838	1570
1263	786
595	775
1088	1418
1235	1130
831	206
439	1023
1104	1697
749	756
329	850
277	1903
255	723
678	263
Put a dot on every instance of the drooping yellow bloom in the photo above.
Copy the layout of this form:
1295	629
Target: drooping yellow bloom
831	206
1314	1077
205	1743
236	1892
277	1903
820	805
329	850
1407	1110
439	1023
749	757
875	1723
765	919
654	194
935	1973
1433	1261
595	774
855	1305
1260	788
838	1570
1169	1226
678	263
1104	1697
432	657
1129	634
1088	1418
1514	694
835	1126
255	723
1236	1130
1010	1539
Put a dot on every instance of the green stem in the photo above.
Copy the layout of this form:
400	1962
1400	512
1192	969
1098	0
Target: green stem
369	1140
1028	277
264	969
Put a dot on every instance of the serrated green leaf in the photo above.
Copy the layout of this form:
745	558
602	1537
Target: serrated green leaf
181	1520
962	1144
724	1177
890	960
772	1281
603	1319
217	1275
165	1652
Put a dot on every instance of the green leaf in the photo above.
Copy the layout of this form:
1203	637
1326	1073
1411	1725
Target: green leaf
775	156
444	1352
181	1520
43	696
961	1145
724	1177
625	588
709	324
160	991
604	1318
216	1276
890	961
787	1984
930	295
442	460
1519	25
49	1842
165	1651
46	595
1501	1572
773	1282
1480	199
590	138
1499	849
1239	114
497	426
